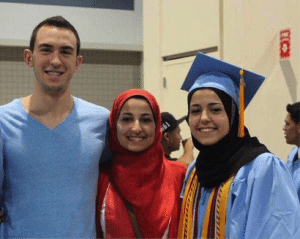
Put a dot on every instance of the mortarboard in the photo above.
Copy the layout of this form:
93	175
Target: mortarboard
215	78
207	71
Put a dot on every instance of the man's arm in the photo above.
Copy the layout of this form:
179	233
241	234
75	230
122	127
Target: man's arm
188	155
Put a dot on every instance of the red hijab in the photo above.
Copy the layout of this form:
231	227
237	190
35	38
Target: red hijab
135	174
146	179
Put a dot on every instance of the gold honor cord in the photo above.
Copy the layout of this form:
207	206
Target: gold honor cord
241	132
221	212
186	222
208	213
188	213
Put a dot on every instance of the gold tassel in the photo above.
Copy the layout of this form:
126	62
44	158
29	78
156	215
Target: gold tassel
241	133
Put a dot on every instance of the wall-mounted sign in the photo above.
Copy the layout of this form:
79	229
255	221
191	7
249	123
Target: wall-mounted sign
285	44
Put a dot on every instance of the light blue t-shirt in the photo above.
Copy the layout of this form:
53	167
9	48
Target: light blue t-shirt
50	175
262	201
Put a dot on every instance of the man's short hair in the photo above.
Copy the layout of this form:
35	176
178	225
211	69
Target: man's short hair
57	21
294	110
169	123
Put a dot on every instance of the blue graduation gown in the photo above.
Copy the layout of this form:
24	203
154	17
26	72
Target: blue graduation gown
262	203
294	167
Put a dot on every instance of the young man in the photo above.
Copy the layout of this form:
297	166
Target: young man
171	139
292	136
52	143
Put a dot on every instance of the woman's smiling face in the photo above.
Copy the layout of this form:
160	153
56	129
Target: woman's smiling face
136	125
208	119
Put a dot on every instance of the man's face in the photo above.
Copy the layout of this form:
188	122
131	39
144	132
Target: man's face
175	139
53	59
291	131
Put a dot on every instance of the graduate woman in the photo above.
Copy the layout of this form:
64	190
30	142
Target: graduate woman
139	193
235	188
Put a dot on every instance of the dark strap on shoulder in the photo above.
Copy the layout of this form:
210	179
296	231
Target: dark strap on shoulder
296	157
135	225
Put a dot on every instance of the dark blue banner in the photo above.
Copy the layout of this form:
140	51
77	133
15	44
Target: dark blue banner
108	4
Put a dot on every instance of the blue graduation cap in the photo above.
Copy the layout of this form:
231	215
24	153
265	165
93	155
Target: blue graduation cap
208	71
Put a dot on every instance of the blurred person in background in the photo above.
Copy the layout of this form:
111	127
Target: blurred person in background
292	136
171	139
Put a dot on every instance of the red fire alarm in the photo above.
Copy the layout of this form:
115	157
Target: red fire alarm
285	44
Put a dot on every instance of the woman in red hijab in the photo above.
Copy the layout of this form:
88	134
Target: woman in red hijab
139	193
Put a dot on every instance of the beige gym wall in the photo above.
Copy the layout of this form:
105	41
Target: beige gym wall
245	33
